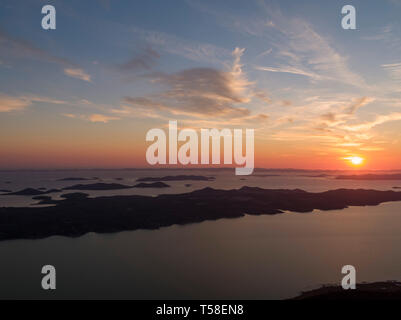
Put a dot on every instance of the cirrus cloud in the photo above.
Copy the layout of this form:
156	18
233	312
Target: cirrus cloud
11	103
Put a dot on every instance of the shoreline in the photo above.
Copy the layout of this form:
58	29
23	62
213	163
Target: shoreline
380	290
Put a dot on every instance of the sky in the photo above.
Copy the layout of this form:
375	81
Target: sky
85	94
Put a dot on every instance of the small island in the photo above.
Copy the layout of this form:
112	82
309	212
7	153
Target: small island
98	186
30	192
76	179
177	178
151	185
114	186
370	177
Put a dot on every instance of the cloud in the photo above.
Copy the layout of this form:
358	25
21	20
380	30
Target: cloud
380	119
371	148
286	103
8	103
69	115
387	36
77	73
394	70
95	117
138	111
101	118
11	103
327	120
289	69
298	48
308	53
265	53
34	98
15	47
195	51
342	112
329	116
144	105
356	104
202	92
142	61
307	50
12	47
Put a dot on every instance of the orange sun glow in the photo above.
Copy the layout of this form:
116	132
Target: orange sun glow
356	161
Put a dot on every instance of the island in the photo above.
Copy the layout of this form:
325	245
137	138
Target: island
74	196
77	179
265	175
177	178
77	216
385	290
323	175
115	186
370	177
151	185
98	186
42	198
30	192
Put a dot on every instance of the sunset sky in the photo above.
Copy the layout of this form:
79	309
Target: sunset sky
84	95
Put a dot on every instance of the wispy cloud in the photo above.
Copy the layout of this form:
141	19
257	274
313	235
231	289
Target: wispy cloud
289	69
298	47
78	74
144	60
101	118
14	48
189	49
69	115
342	112
95	117
265	53
308	53
10	103
332	123
388	36
394	70
380	119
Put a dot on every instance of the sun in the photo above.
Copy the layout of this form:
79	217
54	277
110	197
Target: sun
356	161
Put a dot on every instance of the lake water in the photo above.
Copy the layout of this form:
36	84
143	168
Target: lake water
254	257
